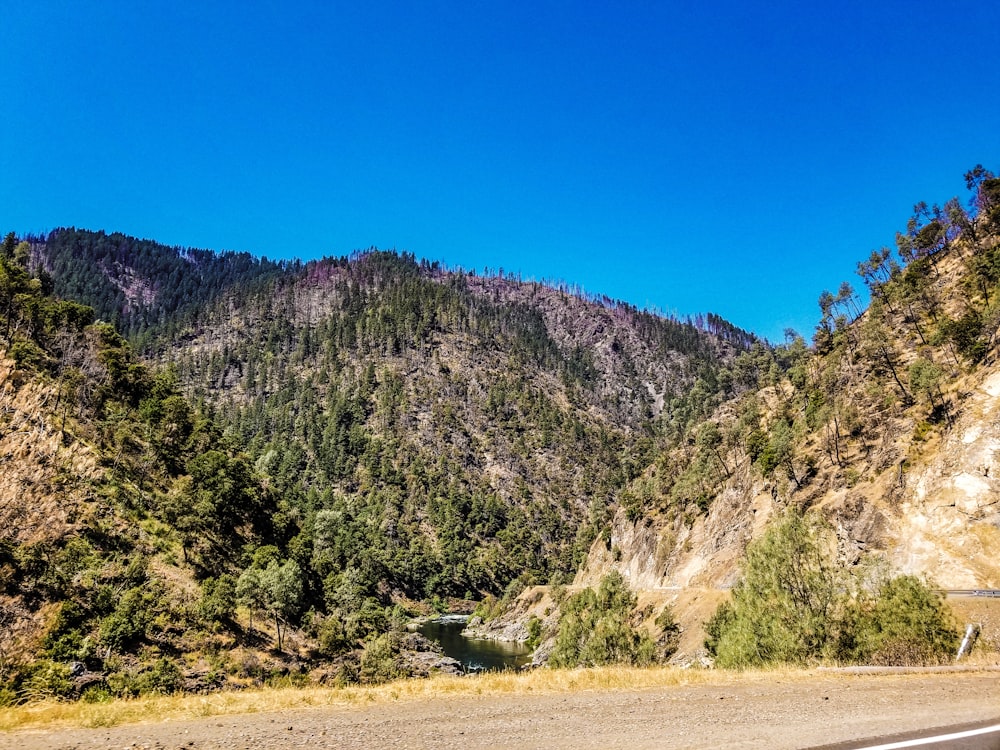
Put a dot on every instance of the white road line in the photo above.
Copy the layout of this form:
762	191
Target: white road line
932	740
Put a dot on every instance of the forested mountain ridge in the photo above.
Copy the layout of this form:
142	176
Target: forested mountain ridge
406	433
439	405
141	285
152	291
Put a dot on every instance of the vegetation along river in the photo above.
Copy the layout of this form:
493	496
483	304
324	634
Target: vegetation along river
475	655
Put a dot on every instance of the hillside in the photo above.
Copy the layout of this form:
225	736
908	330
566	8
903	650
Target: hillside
485	422
298	457
140	285
105	463
887	427
405	433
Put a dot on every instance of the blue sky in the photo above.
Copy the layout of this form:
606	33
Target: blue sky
729	157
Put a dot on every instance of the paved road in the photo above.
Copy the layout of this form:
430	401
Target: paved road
977	736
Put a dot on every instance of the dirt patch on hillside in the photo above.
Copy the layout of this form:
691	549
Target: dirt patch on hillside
42	480
692	608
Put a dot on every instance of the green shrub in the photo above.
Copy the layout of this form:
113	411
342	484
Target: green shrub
218	598
666	621
26	355
793	605
332	637
379	661
71	646
534	632
128	623
594	628
45	679
65	639
163	678
782	609
99	693
488	608
722	621
904	624
669	632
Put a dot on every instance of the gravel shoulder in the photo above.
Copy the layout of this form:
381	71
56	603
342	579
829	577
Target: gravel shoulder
798	712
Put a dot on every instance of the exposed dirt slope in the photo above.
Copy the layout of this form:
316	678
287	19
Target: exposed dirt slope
43	484
44	491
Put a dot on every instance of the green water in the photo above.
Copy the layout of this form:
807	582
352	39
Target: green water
474	655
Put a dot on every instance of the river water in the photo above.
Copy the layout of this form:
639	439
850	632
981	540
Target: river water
475	655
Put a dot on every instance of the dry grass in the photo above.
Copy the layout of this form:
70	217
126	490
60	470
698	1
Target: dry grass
985	612
55	714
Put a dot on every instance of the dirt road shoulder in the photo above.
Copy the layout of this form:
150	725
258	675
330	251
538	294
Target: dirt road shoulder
795	712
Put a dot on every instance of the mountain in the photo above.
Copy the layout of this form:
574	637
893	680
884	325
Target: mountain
481	425
312	446
141	285
301	456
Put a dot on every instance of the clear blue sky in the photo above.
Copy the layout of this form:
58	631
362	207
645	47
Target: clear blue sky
731	157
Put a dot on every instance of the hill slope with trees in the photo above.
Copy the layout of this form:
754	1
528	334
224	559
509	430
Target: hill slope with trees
885	427
291	459
106	466
406	434
464	429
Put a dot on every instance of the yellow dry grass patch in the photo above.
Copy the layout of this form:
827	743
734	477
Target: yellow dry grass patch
985	613
54	714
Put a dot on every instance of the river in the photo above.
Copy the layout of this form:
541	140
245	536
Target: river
474	654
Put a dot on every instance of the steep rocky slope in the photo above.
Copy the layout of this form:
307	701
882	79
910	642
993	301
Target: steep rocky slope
947	523
890	428
46	481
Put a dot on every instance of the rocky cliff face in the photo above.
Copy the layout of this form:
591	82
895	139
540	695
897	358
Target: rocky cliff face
703	552
937	517
948	522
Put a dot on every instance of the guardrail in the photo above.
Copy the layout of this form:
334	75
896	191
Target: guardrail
993	593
